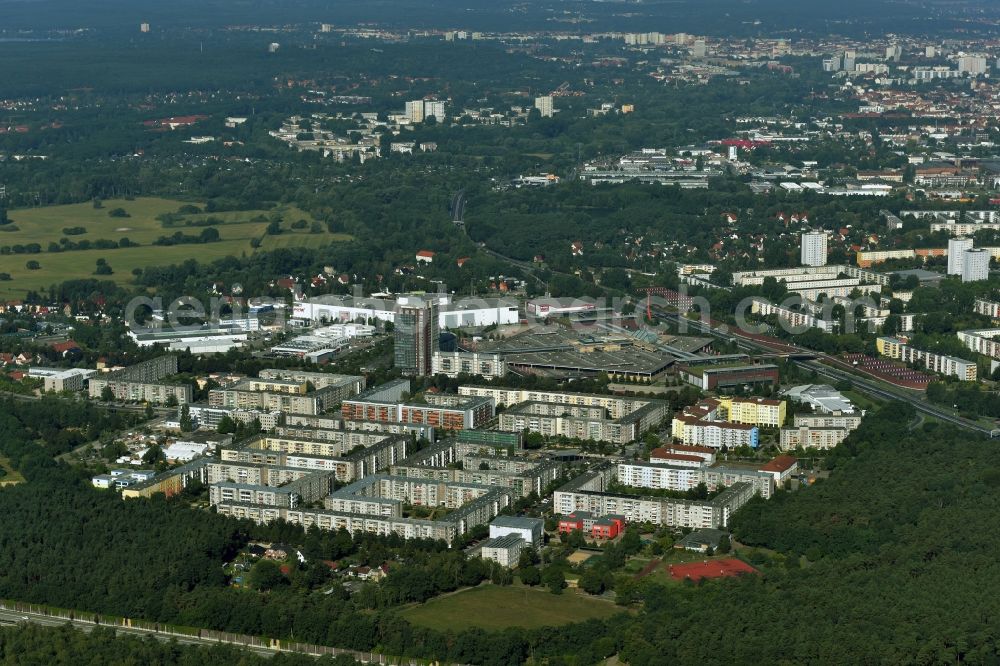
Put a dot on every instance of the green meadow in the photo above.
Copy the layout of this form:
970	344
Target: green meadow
45	225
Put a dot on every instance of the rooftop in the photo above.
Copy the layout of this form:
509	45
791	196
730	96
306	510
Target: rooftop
519	522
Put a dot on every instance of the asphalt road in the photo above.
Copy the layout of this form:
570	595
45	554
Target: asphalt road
458	207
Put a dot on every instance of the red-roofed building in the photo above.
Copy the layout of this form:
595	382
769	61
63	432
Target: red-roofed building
781	468
425	256
665	457
461	261
66	348
725	568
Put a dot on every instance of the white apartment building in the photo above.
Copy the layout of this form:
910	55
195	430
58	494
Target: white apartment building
975	265
434	108
415	111
988	308
944	365
983	341
795	318
453	364
812	438
714	434
814	248
544	106
956	256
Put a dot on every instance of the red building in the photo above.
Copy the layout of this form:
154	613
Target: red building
579	520
607	527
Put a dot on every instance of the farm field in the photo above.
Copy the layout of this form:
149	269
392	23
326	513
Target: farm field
45	225
494	607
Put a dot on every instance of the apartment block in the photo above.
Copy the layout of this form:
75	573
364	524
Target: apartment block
754	411
453	364
586	416
140	383
448	412
288	392
983	341
795	318
587	493
812	437
899	349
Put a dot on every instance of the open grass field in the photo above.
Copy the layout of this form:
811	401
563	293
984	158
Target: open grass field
493	607
9	477
45	225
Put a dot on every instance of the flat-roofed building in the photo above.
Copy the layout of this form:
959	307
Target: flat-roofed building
504	550
456	363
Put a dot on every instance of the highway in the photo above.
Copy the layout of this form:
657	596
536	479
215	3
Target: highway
458	207
870	387
458	218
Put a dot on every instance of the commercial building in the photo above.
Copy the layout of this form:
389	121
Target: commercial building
821	397
725	377
453	364
504	550
205	340
529	529
57	380
140	383
897	348
813	251
416	334
460	313
670	453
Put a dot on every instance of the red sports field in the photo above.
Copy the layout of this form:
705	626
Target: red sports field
711	569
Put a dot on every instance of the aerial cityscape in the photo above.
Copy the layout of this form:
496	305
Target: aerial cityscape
555	333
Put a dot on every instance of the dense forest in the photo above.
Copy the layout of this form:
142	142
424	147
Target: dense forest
30	645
